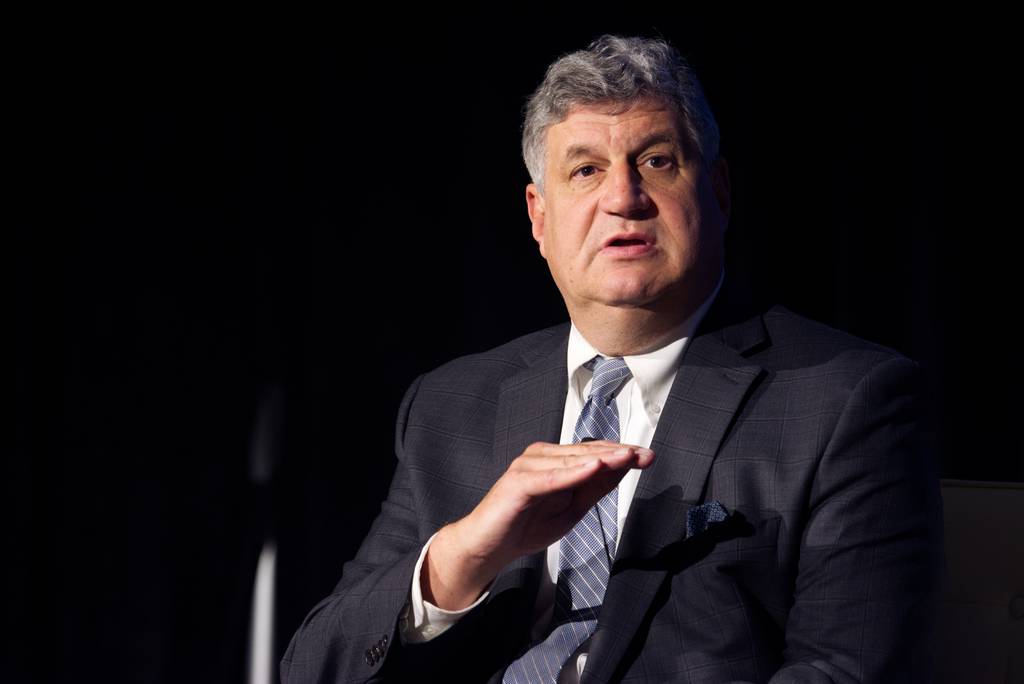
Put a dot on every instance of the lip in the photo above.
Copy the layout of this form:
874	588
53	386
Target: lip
629	245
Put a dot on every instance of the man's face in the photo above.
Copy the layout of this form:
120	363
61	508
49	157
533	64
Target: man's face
629	217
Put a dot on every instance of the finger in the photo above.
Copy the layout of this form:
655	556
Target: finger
539	483
550	449
544	456
568	455
623	457
546	449
613	458
598	474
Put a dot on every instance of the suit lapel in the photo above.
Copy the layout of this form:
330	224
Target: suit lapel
530	407
709	389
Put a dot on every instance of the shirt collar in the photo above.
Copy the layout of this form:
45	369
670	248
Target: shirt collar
653	371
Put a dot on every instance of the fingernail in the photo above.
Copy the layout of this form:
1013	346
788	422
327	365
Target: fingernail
622	452
645	452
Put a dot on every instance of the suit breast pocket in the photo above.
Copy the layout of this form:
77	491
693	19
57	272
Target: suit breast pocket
743	538
743	568
722	607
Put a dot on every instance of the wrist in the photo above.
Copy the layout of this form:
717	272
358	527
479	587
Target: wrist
455	572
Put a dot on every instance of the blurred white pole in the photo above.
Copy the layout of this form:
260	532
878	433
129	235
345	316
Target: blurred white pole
264	452
262	668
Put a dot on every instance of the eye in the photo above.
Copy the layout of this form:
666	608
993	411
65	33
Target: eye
585	171
659	161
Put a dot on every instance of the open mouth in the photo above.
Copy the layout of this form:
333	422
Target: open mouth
629	243
629	246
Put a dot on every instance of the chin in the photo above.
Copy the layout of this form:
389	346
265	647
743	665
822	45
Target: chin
629	292
629	299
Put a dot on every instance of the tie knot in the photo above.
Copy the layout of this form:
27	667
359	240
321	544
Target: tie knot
609	374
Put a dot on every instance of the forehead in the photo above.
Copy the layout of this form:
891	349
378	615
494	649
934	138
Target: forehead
613	128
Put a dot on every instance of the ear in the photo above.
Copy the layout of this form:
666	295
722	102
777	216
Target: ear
535	208
722	188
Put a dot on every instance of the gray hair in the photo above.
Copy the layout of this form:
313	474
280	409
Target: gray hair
616	70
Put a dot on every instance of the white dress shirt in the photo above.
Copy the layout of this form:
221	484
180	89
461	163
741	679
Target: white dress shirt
639	403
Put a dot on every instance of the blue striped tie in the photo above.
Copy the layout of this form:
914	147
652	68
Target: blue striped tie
587	550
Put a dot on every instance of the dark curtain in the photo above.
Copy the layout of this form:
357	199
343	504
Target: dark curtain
200	222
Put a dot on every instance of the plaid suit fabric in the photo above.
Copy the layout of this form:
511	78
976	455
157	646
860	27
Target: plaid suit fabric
828	569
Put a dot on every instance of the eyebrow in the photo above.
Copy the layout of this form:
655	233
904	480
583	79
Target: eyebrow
656	138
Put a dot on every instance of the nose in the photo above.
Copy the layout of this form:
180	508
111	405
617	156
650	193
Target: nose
624	192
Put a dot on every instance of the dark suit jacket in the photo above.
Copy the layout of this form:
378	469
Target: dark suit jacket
826	571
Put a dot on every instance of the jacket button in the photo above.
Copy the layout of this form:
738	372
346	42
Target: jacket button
384	639
369	658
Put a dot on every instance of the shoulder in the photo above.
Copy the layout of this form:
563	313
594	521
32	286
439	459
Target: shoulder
798	359
463	393
800	342
482	373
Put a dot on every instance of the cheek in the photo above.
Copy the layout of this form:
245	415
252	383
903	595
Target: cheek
566	240
685	237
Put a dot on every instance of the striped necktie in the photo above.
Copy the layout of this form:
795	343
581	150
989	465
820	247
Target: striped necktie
587	550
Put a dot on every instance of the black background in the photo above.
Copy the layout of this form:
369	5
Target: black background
203	218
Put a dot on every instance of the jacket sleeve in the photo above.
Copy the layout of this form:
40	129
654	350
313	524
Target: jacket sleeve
352	635
871	556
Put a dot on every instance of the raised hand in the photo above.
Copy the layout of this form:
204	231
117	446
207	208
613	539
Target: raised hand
544	492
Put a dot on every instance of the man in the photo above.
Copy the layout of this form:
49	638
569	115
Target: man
667	489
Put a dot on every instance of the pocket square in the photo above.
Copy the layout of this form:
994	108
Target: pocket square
700	517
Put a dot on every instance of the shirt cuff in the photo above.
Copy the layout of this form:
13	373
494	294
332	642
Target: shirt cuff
424	621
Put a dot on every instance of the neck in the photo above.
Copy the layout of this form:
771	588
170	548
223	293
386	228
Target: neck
629	331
